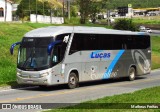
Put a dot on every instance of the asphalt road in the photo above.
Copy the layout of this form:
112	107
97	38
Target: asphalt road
155	32
86	91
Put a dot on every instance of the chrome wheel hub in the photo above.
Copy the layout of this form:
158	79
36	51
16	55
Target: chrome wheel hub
72	80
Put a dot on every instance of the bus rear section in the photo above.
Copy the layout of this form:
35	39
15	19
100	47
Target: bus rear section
105	56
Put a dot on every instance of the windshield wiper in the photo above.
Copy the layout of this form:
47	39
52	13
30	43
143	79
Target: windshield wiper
27	59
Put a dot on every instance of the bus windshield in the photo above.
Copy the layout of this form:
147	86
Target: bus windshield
33	58
33	53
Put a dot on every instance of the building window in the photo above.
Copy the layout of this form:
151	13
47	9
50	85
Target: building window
1	12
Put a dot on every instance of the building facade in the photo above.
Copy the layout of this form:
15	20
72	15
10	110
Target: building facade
5	10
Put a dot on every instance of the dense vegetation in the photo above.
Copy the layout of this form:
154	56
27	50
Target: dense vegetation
26	7
117	3
135	3
87	8
125	24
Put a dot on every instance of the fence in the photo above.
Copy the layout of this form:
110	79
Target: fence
46	19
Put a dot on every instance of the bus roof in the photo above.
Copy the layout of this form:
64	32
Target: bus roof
52	31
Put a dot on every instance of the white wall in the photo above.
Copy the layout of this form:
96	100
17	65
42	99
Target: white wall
9	10
46	19
130	12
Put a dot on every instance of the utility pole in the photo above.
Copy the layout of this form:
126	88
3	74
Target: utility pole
36	11
51	15
63	8
108	14
43	8
68	4
22	12
29	8
5	11
108	17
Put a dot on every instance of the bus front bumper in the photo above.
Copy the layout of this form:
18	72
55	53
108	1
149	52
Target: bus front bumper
33	81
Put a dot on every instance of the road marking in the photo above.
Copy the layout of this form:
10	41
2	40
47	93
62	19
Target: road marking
5	90
156	70
76	90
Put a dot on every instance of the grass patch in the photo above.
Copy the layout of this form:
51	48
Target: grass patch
155	60
72	21
141	96
155	52
156	44
147	20
9	34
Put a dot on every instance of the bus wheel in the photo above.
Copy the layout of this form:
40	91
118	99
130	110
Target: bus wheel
72	81
43	86
132	73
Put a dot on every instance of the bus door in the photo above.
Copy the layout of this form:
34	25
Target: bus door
92	70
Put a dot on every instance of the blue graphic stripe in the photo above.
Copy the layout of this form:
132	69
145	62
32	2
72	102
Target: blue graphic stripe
141	33
111	67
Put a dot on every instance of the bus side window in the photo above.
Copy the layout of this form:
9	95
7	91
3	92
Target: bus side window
124	46
73	48
55	55
54	59
76	43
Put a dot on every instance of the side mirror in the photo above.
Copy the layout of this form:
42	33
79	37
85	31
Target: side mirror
51	45
12	47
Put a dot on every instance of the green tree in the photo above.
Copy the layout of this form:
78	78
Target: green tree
23	8
84	6
43	8
74	10
125	24
95	8
88	7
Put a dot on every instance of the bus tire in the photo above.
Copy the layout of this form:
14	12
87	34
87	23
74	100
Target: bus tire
132	73
72	81
43	86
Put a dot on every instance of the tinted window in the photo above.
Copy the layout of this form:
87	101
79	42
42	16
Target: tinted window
137	42
108	42
1	12
64	37
143	42
60	49
77	43
36	42
84	42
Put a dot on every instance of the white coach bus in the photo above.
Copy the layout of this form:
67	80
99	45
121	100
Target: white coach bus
65	54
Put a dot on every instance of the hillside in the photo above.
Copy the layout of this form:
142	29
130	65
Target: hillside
117	3
52	2
135	3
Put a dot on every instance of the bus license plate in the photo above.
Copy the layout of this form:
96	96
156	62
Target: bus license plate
30	81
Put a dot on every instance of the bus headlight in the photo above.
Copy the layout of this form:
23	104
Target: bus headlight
44	74
18	74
